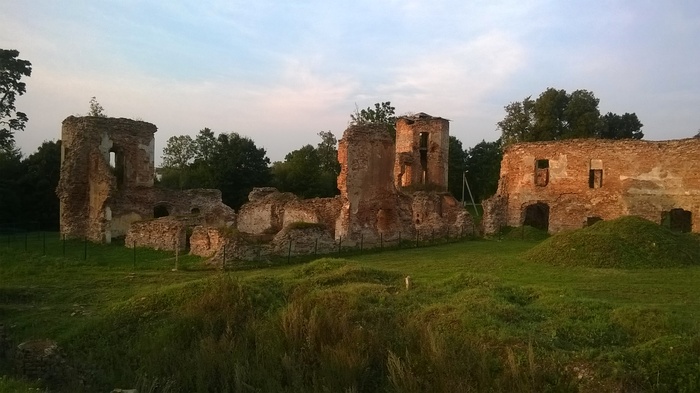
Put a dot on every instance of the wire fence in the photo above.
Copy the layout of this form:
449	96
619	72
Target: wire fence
238	256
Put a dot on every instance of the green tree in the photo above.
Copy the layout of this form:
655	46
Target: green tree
327	151
238	165
557	115
299	173
310	172
178	153
382	113
549	115
456	165
41	172
626	126
11	196
483	165
204	145
96	109
12	69
517	125
581	115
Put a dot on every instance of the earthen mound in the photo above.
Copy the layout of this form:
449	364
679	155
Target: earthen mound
627	242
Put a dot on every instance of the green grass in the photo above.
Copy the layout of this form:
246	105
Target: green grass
478	317
627	242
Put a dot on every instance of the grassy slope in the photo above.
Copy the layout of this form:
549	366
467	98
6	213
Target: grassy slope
479	317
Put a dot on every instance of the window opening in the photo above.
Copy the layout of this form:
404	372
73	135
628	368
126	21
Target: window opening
595	174
424	140
595	178
195	210
116	163
678	220
537	216
424	157
541	172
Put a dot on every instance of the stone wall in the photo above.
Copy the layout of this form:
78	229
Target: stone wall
165	233
43	360
269	211
422	151
567	184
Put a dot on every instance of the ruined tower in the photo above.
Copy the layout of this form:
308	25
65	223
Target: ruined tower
101	158
422	148
106	185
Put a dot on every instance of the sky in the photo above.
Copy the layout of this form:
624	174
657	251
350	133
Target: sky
279	72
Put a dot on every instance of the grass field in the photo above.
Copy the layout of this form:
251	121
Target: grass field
479	316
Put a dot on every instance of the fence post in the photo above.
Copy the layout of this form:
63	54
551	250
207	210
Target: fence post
85	249
362	240
417	237
315	246
381	240
399	239
134	247
289	250
223	262
340	242
64	245
177	253
432	237
25	241
44	243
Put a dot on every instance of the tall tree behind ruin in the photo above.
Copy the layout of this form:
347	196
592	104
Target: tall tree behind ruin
310	172
27	187
12	69
483	165
456	165
382	113
557	115
229	162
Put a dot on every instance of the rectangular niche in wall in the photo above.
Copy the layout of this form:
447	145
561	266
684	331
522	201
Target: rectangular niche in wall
541	172
595	174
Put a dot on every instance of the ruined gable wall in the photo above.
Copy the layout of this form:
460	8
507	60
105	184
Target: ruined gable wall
643	178
408	156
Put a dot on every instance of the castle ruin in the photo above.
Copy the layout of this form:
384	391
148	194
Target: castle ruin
106	183
106	191
569	184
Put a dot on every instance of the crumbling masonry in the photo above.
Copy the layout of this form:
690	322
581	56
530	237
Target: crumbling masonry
106	185
569	184
388	190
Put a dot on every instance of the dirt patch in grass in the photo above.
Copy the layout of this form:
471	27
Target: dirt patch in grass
627	242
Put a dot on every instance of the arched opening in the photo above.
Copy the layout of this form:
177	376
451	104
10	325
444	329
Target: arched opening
537	216
160	210
678	220
195	210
